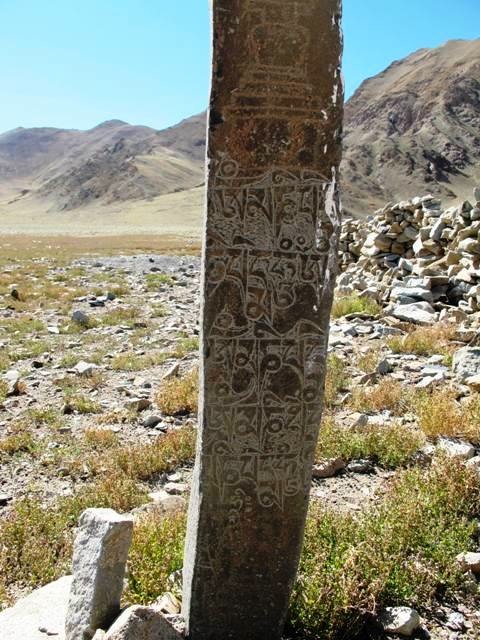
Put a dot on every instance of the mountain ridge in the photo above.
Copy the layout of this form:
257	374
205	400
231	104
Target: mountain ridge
412	129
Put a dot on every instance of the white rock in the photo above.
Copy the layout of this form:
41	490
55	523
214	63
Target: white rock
328	468
421	313
85	368
466	363
45	608
456	621
462	450
474	463
99	559
147	623
401	620
469	562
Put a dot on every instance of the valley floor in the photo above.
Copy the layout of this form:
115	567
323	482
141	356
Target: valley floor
99	354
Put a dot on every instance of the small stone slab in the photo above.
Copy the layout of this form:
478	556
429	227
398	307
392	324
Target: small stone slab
99	559
45	608
466	363
421	313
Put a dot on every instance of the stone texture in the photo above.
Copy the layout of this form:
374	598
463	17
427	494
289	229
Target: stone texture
462	450
99	559
466	363
421	313
270	263
469	562
400	620
328	468
146	623
45	608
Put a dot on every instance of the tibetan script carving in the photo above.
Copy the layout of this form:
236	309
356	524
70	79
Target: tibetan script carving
269	268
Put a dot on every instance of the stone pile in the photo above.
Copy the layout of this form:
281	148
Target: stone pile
415	251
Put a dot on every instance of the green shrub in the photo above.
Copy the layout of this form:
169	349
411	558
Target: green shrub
354	304
156	552
399	552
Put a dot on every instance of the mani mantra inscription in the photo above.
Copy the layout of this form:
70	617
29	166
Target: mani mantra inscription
269	266
269	245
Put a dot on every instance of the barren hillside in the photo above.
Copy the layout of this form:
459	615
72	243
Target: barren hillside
412	129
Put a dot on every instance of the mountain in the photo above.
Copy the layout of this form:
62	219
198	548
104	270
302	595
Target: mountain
412	129
415	129
62	170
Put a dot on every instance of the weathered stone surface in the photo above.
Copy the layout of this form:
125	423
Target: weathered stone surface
45	608
270	264
462	450
401	620
86	369
328	468
418	313
466	363
469	562
99	559
146	623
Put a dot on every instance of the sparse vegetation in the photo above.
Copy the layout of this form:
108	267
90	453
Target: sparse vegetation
82	404
156	280
401	551
440	413
387	395
336	379
426	341
37	540
129	361
354	304
179	395
156	552
389	445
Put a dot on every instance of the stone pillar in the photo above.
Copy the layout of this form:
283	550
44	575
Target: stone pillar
269	264
99	559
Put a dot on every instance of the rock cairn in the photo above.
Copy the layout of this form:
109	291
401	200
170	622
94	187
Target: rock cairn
415	251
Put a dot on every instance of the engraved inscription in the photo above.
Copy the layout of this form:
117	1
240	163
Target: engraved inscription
269	245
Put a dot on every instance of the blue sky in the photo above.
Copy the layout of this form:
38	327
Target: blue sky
76	63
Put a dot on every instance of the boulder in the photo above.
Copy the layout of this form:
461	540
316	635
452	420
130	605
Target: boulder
421	313
462	450
44	608
401	620
469	562
86	369
139	623
81	318
466	363
328	467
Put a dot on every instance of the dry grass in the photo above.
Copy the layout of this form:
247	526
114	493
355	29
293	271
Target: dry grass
354	304
336	380
441	414
142	461
387	395
179	395
18	442
426	341
129	361
368	361
99	439
66	247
